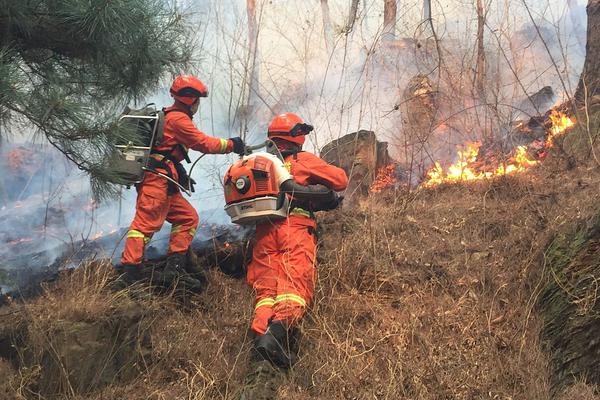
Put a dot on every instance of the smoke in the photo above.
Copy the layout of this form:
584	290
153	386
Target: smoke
361	82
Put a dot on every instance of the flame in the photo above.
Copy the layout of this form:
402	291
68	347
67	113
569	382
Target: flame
386	176
464	169
560	123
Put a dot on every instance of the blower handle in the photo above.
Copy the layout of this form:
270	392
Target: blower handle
268	144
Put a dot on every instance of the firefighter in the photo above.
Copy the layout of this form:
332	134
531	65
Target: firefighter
158	199
282	270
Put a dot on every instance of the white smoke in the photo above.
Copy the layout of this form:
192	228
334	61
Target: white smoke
356	85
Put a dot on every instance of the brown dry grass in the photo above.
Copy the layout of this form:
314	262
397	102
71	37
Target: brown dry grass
426	295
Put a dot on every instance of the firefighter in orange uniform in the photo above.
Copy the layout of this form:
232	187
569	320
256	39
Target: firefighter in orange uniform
282	271
158	199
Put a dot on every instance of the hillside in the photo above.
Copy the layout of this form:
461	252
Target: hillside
431	294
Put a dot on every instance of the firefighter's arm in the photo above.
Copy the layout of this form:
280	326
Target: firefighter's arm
326	174
191	137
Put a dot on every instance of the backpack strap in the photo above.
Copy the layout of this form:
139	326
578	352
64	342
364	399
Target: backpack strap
161	127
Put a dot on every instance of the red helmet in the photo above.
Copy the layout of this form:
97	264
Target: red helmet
290	127
187	89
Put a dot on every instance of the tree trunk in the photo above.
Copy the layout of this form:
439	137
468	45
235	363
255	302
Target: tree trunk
480	68
327	29
251	66
352	15
589	83
426	10
389	20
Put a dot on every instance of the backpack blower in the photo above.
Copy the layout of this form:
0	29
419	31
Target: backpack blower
259	187
131	158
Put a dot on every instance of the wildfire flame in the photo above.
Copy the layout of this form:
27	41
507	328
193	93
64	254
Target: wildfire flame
464	169
560	123
386	176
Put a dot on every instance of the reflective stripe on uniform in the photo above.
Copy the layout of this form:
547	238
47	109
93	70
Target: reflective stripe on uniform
301	212
265	302
177	229
224	143
137	234
290	297
134	233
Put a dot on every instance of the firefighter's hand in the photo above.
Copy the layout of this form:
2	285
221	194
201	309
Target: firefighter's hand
238	145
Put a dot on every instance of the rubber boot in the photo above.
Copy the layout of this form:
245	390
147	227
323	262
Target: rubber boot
133	273
174	269
194	269
175	275
274	345
129	274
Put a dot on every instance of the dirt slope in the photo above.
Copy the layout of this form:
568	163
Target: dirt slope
423	295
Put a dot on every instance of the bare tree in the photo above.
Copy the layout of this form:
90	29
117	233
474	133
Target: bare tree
589	83
389	20
327	28
352	15
251	65
480	65
427	10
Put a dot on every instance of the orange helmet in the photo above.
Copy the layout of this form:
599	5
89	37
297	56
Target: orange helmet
187	89
290	127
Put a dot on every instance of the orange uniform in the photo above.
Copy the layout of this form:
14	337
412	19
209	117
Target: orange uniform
154	202
282	271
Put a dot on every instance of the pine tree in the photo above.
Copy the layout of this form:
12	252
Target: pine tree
68	67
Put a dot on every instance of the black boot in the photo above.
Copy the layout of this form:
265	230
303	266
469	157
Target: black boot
194	269
274	345
175	275
129	274
176	263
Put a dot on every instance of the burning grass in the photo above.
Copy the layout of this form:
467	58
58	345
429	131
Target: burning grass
469	166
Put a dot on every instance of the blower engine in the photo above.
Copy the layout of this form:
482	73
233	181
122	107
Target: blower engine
253	186
259	187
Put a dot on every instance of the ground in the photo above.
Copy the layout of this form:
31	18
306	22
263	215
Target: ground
423	294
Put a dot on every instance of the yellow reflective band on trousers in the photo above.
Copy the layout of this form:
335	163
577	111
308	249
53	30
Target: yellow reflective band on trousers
137	234
265	302
224	143
290	297
177	229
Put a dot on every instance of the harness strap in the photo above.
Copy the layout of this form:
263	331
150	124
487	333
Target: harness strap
159	161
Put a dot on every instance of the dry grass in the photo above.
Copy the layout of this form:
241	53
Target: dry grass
427	295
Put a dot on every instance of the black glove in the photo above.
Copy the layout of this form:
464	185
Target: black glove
238	145
330	204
